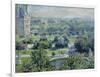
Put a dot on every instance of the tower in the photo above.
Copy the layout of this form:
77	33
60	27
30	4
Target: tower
22	20
26	25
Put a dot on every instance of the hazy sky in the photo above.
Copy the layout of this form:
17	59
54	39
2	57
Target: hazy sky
66	12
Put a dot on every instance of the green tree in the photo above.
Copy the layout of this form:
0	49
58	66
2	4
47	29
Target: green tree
78	62
27	67
40	60
53	53
45	44
81	44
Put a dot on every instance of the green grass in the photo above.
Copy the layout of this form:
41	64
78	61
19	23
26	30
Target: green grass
25	60
24	52
57	51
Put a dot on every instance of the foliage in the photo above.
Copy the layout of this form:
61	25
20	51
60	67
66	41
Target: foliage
45	44
81	44
91	43
20	45
27	67
40	60
60	41
53	53
78	62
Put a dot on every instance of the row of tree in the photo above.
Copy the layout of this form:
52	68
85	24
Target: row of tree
84	44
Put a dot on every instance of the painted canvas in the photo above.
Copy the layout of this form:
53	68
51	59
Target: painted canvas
53	38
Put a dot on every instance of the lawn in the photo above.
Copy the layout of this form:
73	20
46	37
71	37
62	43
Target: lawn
24	52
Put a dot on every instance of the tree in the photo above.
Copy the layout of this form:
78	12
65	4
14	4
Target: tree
28	41
61	41
53	53
81	44
55	39
78	62
36	45
40	60
20	45
91	44
27	67
45	44
66	40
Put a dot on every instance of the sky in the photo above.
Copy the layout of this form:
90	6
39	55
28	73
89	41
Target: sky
62	12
